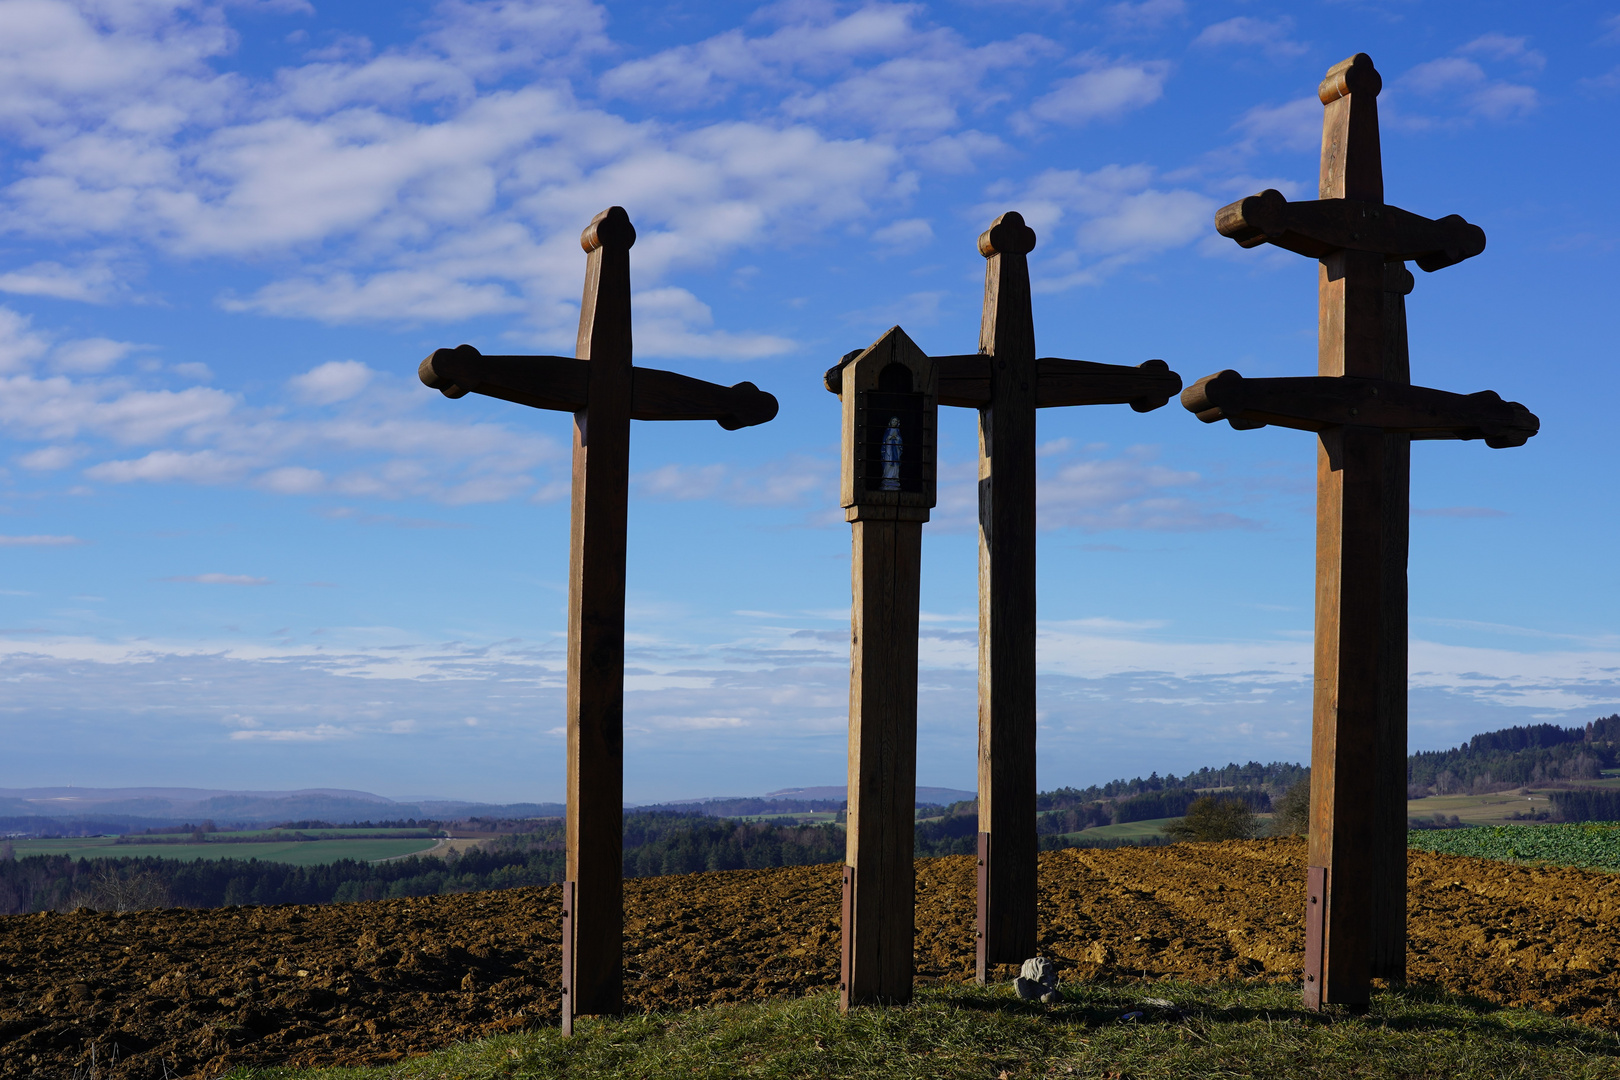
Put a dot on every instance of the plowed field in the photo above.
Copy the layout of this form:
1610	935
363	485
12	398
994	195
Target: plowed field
198	991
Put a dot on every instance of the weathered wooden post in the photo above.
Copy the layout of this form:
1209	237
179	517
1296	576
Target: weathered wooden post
1366	412
604	392
887	487
1006	382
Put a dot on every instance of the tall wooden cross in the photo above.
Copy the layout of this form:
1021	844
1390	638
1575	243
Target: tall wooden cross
604	392
1006	382
1366	412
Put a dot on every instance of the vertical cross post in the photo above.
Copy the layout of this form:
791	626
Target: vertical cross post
593	977
1008	845
887	486
1352	507
604	392
1366	413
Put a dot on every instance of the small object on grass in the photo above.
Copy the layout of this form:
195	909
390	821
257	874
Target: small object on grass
1132	1017
1037	980
1165	1009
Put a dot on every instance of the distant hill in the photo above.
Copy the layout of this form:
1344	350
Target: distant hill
84	811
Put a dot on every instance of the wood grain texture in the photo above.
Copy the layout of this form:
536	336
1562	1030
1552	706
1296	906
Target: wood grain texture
886	565
964	382
1007	599
1349	551
559	383
666	395
1320	227
1388	856
596	568
1316	403
886	575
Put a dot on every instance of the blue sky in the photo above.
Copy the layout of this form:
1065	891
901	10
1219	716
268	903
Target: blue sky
241	546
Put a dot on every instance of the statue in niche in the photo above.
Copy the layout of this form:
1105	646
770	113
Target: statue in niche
893	446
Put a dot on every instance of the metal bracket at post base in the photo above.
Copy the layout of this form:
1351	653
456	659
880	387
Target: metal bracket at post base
568	891
981	965
846	961
1315	915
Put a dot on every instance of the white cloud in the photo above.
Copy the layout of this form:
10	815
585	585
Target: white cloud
19	343
166	466
1103	92
318	733
39	541
1296	125
333	381
907	234
92	284
1503	47
470	207
1119	218
219	579
89	354
49	458
1462	85
672	322
1269	36
775	483
1146	15
1092	490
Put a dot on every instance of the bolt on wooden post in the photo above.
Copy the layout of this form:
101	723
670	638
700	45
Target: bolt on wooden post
605	392
1366	413
1006	382
887	487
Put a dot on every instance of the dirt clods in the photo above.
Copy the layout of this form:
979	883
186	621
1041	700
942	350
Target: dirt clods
192	993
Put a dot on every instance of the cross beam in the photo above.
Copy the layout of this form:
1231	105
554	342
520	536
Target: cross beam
1366	414
1006	382
1317	403
605	392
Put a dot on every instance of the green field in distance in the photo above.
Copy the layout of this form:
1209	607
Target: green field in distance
295	852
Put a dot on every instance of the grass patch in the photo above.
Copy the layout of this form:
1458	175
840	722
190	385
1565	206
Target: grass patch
1593	845
1232	1030
1130	830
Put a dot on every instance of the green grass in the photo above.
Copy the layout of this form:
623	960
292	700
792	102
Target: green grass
1490	809
1595	845
295	852
815	817
1233	1030
1130	830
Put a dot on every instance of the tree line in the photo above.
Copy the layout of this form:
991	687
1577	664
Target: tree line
1517	756
654	843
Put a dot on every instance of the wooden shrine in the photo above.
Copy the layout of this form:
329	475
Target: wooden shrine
887	486
1366	413
605	392
1006	382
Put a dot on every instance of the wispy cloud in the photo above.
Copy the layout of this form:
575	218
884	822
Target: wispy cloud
219	579
39	541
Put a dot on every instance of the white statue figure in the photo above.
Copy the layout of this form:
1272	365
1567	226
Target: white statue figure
892	446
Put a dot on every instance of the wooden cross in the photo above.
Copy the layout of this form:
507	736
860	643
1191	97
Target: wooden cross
1006	382
1366	412
604	392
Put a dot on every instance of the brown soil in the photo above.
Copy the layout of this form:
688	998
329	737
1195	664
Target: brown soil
198	991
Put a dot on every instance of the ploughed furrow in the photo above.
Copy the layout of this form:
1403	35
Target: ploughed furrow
1537	937
740	935
192	993
1253	905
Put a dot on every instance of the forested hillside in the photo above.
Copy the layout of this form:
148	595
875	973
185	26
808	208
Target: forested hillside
1517	756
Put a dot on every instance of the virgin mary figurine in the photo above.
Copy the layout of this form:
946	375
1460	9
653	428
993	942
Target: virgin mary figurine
892	447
